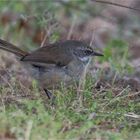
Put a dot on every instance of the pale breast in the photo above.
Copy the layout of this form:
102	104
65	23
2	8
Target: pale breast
51	76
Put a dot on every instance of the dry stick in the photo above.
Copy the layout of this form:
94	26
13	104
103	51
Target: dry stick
131	95
47	34
114	78
28	131
2	101
132	116
83	77
4	79
19	97
105	105
21	85
102	2
24	88
117	96
72	28
116	4
45	38
85	70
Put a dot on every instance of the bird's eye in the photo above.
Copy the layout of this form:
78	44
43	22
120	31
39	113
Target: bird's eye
88	52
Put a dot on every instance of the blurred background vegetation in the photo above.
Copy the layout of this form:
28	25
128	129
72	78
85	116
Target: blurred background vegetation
110	109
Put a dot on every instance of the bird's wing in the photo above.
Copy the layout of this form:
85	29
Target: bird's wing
49	55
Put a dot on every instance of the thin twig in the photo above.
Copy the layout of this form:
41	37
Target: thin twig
71	28
116	4
116	97
28	131
4	79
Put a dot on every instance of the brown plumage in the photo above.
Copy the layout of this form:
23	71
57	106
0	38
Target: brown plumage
50	54
12	48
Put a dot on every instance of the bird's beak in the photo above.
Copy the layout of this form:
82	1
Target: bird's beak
97	54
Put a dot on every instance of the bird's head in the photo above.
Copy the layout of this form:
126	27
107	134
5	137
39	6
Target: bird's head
83	51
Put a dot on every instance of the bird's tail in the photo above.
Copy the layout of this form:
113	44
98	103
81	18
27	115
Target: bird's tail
4	45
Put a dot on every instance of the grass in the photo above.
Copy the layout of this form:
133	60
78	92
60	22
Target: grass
100	115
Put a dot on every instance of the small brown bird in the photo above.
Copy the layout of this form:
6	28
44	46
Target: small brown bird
53	64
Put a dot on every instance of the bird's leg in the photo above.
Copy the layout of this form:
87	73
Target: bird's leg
48	93
42	69
50	96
